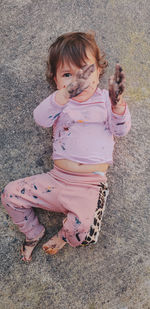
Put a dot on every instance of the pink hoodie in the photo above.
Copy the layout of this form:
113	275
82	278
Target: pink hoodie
83	131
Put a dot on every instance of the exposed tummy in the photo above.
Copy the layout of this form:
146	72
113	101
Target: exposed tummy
79	167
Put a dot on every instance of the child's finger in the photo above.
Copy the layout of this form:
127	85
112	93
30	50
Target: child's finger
119	75
122	78
121	88
113	86
111	80
79	74
86	71
76	88
113	90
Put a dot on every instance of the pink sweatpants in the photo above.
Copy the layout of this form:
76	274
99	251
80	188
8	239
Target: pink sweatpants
80	196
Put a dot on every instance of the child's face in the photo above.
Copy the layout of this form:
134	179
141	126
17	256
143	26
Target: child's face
66	74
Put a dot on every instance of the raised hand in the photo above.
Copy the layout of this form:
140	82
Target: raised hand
81	82
116	85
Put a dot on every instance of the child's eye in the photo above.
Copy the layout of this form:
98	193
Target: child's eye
67	75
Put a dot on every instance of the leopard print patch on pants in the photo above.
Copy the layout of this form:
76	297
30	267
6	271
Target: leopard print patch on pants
92	236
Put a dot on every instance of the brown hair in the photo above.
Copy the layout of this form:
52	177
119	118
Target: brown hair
71	47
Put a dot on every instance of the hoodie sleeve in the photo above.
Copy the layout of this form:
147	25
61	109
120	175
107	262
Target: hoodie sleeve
47	111
119	125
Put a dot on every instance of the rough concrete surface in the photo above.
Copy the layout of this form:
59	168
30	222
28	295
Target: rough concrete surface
115	273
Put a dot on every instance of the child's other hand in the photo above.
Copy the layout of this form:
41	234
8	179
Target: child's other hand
117	85
81	82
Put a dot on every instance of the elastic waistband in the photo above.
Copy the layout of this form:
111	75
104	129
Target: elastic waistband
89	177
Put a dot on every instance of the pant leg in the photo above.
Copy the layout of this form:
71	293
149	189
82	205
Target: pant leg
85	204
21	196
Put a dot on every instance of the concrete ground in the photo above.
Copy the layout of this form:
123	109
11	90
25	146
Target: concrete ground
115	273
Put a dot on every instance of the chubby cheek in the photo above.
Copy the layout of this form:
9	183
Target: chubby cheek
59	83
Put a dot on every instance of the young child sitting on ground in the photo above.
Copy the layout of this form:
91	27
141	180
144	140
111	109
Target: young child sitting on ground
84	118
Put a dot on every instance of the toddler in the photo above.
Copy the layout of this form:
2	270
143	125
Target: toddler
84	118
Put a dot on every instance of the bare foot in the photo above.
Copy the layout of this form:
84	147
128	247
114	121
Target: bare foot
54	245
28	246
